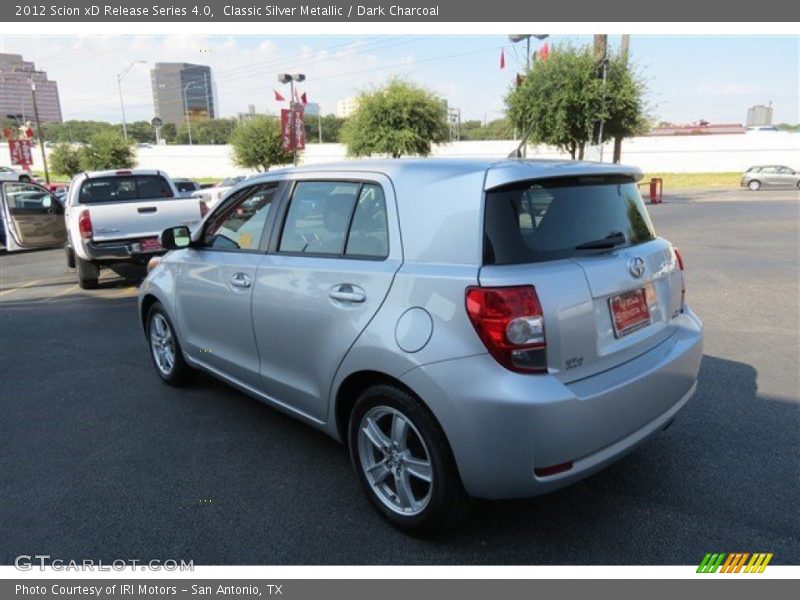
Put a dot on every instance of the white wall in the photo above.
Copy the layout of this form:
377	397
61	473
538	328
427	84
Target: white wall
674	154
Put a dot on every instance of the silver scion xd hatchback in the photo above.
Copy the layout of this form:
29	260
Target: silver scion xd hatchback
468	328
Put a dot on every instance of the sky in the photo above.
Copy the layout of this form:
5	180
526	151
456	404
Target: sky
711	77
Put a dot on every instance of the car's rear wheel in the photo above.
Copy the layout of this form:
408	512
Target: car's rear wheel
404	462
754	185
88	273
165	350
70	257
24	179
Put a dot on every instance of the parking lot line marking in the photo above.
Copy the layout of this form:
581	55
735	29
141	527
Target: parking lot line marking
24	285
71	288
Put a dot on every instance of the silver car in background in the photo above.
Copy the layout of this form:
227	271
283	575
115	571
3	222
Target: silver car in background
468	328
770	176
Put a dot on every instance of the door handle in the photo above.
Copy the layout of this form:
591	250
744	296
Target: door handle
147	209
241	281
347	293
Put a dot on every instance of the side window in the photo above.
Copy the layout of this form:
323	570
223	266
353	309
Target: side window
369	232
240	225
30	197
318	217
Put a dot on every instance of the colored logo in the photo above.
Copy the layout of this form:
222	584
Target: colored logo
735	562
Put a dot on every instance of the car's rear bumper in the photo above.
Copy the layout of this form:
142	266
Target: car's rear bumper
503	425
117	251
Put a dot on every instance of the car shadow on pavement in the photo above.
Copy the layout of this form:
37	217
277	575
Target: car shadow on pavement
728	466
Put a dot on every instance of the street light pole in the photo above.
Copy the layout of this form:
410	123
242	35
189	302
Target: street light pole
290	79
186	108
120	75
39	133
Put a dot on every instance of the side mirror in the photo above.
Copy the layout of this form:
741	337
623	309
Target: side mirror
175	238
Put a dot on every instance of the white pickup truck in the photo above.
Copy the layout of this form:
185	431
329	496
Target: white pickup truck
116	216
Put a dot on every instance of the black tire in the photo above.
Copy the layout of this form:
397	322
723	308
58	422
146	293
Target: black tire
70	257
180	372
448	503
24	179
754	185
88	273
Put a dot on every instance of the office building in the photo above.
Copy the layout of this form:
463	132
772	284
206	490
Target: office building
346	106
181	91
759	115
16	77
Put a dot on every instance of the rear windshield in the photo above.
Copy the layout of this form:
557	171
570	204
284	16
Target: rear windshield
546	220
120	188
185	186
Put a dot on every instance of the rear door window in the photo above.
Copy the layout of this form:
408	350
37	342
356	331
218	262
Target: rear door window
546	220
318	217
121	188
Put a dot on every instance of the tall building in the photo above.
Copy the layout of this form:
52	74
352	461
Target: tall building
346	106
182	90
16	76
759	115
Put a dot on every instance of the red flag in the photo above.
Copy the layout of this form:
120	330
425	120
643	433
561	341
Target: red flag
544	51
278	97
502	59
304	98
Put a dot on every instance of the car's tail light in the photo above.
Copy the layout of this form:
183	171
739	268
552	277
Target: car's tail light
123	172
85	224
679	258
203	208
510	323
553	470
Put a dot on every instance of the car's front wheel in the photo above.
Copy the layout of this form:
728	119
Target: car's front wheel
165	350
754	185
404	462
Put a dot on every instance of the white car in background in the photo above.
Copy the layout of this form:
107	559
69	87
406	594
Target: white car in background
9	174
211	196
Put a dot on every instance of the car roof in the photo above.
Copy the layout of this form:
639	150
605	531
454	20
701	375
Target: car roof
498	171
115	172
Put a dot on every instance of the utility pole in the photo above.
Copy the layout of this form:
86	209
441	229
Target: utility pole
186	108
39	133
120	76
601	54
624	47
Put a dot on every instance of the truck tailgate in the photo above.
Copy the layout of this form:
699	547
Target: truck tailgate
141	218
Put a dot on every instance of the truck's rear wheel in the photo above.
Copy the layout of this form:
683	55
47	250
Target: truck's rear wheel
88	273
70	257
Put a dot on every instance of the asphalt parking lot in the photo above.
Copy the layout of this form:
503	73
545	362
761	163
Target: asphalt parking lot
99	459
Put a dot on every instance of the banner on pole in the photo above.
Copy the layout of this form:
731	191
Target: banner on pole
293	138
21	152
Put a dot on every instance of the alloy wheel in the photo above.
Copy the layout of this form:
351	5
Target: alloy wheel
395	460
162	344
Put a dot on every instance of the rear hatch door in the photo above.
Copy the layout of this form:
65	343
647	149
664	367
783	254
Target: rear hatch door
609	288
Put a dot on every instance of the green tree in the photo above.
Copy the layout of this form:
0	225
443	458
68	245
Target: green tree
141	132
625	110
331	128
169	132
65	160
257	144
499	129
397	119
562	99
107	150
209	131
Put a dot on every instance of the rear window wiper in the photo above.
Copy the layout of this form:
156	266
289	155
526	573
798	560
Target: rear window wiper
613	239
